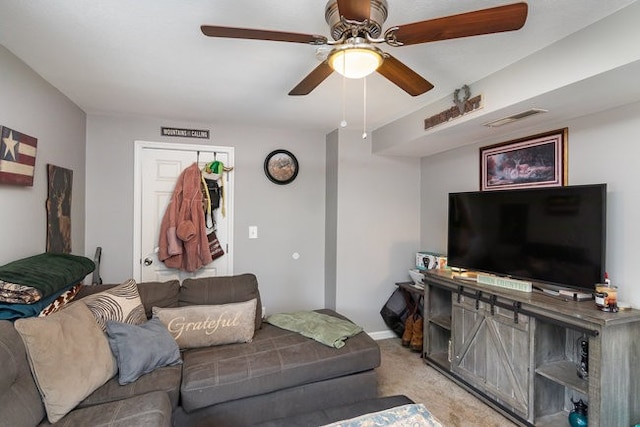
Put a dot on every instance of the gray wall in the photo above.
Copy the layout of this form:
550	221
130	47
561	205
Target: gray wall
290	218
377	227
602	149
331	220
32	106
341	215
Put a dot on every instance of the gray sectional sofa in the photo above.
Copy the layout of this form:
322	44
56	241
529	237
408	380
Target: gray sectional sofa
278	375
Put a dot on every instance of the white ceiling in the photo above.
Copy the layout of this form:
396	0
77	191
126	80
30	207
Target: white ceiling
149	58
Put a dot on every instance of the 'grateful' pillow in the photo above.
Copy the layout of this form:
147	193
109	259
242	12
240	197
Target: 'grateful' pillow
140	349
121	303
206	325
69	356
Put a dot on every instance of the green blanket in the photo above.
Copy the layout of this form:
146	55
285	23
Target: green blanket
328	330
47	272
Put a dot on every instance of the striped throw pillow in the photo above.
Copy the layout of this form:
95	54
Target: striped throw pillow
121	303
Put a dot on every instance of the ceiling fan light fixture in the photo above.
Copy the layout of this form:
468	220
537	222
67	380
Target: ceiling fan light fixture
355	62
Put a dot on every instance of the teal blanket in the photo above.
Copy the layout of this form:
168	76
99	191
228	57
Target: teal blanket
47	272
328	330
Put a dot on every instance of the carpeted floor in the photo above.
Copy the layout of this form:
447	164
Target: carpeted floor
404	372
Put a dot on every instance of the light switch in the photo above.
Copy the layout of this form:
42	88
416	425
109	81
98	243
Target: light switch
253	231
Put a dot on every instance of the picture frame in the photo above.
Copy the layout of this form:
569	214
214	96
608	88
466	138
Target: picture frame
534	161
60	183
17	157
281	167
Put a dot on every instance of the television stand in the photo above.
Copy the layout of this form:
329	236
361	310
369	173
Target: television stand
517	351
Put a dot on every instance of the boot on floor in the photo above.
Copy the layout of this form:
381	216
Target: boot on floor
408	331
416	338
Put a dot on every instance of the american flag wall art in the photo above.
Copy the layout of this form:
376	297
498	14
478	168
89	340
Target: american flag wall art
17	157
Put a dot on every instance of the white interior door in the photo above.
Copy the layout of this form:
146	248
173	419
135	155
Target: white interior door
158	167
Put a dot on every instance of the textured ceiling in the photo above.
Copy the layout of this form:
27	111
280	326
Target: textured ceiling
149	58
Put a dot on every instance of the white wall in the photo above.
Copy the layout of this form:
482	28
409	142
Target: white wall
602	148
32	106
377	227
290	218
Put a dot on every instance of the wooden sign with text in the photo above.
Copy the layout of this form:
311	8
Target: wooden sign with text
185	133
461	107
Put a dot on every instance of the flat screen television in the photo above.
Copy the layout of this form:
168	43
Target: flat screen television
553	235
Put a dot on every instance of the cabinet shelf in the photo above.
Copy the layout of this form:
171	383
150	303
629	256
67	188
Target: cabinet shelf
564	372
443	321
558	419
440	359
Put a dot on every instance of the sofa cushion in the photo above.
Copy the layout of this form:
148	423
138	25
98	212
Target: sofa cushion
337	413
283	402
20	401
69	357
166	379
121	304
151	409
222	290
206	325
275	359
159	294
140	349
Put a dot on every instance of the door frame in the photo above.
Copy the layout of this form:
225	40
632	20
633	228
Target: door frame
139	147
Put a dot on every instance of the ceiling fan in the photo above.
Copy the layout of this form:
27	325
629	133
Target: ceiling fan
356	27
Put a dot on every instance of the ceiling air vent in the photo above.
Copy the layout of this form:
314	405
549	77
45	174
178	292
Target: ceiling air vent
515	117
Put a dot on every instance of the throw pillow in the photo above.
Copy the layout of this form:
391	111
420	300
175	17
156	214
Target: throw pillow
69	357
62	300
206	325
121	304
140	349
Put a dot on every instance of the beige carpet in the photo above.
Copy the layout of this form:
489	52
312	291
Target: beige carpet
404	372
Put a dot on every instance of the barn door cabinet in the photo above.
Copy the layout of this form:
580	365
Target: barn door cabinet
491	348
519	352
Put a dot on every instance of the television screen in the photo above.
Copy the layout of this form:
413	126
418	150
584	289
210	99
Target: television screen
553	235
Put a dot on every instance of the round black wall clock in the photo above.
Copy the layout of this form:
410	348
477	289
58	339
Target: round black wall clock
281	167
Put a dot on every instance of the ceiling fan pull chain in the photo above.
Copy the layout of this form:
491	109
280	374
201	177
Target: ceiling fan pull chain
364	102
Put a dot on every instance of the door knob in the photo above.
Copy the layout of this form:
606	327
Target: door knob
148	261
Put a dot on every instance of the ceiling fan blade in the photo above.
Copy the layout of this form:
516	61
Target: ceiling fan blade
486	21
246	33
403	77
355	10
313	79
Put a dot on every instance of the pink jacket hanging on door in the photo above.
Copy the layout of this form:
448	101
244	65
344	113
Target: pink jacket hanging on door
183	240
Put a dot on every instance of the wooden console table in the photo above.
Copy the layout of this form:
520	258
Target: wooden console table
518	351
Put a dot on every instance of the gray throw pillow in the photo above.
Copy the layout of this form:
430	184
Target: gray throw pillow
140	349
